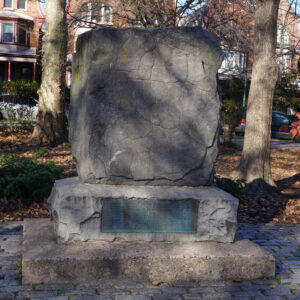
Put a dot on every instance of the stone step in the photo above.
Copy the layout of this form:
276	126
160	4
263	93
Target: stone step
48	261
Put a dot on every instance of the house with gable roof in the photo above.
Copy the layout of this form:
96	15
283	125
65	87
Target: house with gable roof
20	25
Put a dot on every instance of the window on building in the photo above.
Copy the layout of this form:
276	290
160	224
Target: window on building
21	4
26	73
107	14
282	35
7	4
229	60
85	12
234	61
96	13
279	30
22	35
286	63
8	33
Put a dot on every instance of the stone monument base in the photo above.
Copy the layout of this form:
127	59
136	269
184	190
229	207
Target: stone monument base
47	262
84	212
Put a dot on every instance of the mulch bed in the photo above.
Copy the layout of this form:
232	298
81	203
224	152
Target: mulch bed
285	164
282	208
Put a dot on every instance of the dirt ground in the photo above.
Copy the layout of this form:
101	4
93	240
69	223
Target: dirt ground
285	164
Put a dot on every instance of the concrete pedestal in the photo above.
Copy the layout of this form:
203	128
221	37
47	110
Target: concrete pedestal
47	261
84	212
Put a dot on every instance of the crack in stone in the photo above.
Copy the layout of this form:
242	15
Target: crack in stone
164	113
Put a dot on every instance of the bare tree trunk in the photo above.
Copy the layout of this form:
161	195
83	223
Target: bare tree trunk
255	162
51	120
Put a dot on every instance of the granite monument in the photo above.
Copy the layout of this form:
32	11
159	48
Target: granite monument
144	130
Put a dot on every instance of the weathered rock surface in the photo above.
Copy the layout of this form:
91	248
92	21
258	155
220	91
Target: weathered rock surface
77	210
144	107
106	262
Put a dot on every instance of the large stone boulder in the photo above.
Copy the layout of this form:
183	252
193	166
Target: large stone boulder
145	107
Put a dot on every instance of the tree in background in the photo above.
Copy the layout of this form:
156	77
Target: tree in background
51	125
230	20
151	13
255	161
143	13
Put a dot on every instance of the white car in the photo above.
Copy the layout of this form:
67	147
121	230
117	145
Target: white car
15	111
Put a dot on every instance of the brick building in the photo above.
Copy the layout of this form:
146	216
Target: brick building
20	24
82	16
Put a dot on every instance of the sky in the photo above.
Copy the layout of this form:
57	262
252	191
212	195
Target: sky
42	6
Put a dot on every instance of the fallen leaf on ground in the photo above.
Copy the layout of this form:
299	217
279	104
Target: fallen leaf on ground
156	282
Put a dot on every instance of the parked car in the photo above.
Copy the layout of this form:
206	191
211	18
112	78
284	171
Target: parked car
280	127
293	118
10	109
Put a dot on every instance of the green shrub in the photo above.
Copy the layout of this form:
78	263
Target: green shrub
26	179
21	91
232	106
230	186
286	93
41	152
234	89
231	114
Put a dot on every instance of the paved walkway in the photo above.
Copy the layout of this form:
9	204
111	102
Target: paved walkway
283	241
275	144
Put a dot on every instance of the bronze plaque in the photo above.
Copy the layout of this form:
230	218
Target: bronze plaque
125	215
